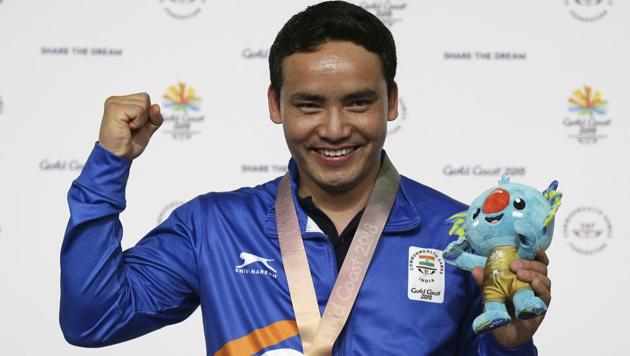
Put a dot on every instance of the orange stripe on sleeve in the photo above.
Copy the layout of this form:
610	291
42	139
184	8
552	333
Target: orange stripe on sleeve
260	338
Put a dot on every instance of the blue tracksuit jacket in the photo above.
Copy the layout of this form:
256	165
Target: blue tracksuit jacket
220	251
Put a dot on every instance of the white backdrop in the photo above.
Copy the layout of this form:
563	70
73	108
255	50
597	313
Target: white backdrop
484	85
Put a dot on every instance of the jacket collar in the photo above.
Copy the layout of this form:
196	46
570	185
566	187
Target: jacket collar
403	217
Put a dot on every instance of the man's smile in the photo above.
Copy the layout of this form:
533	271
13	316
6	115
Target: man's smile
335	157
338	152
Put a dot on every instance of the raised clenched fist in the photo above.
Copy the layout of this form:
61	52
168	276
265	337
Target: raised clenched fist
128	123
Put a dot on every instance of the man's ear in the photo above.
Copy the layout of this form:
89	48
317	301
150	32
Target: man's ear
392	103
274	105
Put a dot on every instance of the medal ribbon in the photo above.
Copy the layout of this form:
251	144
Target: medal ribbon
318	334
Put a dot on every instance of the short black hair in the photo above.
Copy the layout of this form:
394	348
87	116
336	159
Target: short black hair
332	21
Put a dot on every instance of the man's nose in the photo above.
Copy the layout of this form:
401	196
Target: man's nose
334	126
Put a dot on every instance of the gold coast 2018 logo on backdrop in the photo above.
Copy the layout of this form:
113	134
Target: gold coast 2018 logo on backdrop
588	10
182	9
385	10
588	115
182	106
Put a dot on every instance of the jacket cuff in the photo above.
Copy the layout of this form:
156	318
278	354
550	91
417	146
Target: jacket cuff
105	174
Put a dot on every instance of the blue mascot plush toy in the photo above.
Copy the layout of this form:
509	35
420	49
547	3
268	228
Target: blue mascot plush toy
505	223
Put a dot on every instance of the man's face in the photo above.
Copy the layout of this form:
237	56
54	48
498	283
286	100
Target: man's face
334	108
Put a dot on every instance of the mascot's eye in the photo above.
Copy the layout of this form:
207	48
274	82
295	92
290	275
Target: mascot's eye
476	213
519	204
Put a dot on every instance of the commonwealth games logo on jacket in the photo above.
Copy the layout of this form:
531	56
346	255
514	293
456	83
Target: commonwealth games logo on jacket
182	106
425	264
588	117
426	278
426	261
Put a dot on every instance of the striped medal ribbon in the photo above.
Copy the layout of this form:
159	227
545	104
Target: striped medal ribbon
319	333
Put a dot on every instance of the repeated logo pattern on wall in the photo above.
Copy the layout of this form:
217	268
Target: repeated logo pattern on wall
588	10
255	53
182	9
182	106
588	118
386	10
533	90
587	230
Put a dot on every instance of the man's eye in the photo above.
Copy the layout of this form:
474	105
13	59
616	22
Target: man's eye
307	106
359	105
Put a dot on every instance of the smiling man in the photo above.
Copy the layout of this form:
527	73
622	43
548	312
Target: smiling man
277	268
334	105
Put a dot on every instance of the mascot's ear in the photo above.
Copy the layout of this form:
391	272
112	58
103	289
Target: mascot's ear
458	220
553	197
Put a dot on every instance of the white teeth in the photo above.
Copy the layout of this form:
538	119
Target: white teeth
336	153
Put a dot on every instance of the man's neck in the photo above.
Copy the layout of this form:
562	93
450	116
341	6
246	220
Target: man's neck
340	206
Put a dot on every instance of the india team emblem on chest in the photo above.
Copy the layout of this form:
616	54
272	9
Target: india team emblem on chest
425	275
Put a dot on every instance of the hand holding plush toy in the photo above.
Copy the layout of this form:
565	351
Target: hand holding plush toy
505	223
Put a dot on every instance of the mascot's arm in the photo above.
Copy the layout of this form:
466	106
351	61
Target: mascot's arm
469	261
527	236
455	254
